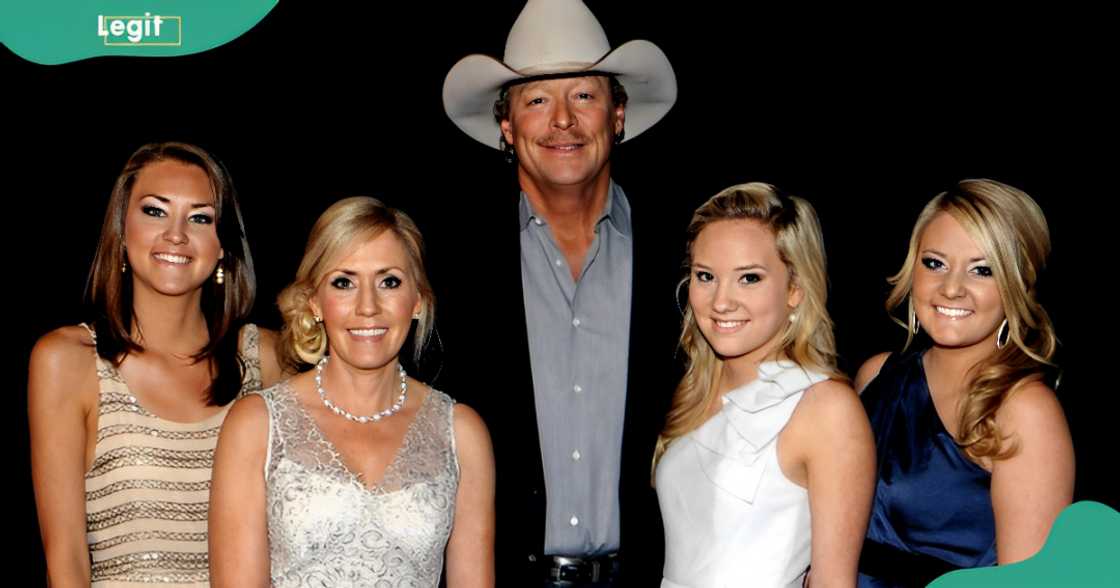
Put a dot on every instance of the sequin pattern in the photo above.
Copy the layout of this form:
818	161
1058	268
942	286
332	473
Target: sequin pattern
325	528
148	489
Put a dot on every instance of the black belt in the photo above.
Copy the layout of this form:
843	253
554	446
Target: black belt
901	567
562	568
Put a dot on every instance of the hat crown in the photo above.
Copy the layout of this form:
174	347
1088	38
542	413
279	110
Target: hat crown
553	36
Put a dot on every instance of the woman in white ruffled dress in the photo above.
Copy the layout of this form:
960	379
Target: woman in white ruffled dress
765	469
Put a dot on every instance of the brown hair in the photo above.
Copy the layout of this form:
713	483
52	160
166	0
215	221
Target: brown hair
225	307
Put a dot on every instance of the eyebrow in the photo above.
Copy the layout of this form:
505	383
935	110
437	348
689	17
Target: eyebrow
167	200
940	254
752	266
379	272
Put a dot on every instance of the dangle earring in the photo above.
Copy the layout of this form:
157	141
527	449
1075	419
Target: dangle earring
220	275
1003	335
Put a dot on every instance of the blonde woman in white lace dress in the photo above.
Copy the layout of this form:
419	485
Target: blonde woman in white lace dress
352	473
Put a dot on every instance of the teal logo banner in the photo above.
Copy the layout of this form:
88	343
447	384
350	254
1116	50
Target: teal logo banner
58	31
1080	551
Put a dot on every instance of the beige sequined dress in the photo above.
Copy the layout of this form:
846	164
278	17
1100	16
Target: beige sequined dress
148	490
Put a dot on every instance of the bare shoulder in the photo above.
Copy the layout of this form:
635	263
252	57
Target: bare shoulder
827	410
869	370
830	396
62	361
247	417
468	423
63	347
1031	409
268	339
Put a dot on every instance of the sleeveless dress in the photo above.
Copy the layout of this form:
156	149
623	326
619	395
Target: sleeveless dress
148	489
933	507
731	516
326	528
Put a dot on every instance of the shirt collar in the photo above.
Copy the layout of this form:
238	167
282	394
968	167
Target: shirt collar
616	210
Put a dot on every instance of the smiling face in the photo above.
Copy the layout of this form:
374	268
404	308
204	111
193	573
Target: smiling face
955	297
562	130
739	289
170	235
366	300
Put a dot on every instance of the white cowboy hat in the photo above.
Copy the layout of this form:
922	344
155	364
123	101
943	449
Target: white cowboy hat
558	37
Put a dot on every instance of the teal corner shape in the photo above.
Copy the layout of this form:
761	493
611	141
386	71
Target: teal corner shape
1082	550
53	32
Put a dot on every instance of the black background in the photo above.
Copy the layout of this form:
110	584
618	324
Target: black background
867	113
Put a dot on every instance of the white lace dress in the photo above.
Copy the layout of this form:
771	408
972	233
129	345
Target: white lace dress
326	528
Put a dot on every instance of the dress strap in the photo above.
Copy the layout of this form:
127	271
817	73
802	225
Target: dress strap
453	456
106	372
250	352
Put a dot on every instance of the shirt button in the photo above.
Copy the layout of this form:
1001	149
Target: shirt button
559	262
577	388
576	455
575	322
573	521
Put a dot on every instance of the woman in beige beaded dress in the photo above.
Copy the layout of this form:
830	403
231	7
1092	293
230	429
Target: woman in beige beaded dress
125	410
351	473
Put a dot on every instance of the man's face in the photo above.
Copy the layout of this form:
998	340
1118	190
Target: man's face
562	129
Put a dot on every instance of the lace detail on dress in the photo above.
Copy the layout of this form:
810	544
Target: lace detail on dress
326	528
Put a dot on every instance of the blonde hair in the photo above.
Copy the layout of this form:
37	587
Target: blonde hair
347	223
807	340
1011	230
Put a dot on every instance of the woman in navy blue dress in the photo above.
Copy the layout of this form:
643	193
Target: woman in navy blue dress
974	455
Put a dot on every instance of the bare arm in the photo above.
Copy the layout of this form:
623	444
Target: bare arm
1030	488
238	521
869	370
61	392
840	464
470	549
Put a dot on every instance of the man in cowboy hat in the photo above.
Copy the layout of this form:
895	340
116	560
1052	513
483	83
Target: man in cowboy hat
584	370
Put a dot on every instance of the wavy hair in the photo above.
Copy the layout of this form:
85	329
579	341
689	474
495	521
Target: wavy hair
1011	230
346	224
807	340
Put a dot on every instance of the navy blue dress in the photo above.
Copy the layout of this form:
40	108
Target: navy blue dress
933	507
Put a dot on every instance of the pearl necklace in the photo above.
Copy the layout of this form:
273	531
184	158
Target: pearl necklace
342	412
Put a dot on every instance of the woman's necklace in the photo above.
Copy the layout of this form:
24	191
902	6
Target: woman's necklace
342	412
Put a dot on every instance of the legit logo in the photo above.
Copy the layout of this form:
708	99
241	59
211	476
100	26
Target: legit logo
132	31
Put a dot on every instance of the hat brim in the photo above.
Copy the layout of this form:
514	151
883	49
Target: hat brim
641	67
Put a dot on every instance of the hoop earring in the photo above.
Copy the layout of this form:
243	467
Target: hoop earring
1004	333
915	326
677	295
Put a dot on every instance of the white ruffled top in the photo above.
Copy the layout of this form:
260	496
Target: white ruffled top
731	516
